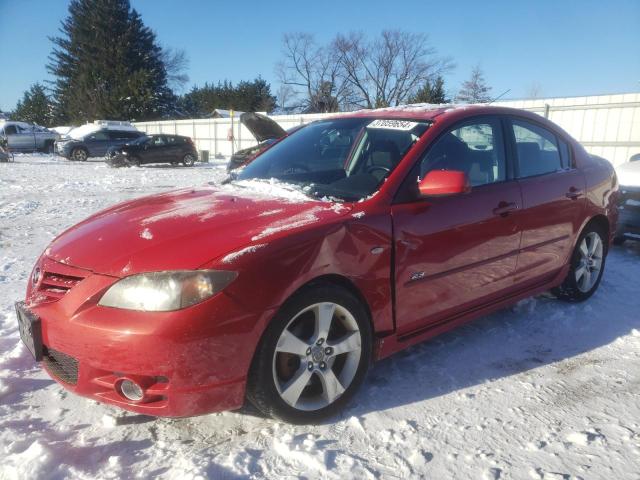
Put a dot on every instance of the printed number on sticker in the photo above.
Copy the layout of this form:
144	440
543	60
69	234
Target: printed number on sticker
392	124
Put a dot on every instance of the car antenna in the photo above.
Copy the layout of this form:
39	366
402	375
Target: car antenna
500	96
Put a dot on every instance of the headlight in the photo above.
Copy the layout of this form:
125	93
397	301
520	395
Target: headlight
124	153
166	291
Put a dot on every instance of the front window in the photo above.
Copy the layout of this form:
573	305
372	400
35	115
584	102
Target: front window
343	159
475	148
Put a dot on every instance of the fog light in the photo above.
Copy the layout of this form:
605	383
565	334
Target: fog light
131	390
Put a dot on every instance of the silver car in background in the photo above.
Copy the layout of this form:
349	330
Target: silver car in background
27	137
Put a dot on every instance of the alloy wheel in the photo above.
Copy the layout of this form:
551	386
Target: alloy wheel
591	252
317	356
79	154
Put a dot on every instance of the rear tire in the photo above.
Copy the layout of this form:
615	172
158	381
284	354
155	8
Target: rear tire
188	160
587	266
313	356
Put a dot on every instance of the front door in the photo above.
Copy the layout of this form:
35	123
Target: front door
20	137
454	253
157	151
98	143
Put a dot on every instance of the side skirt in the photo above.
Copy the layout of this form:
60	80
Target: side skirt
393	343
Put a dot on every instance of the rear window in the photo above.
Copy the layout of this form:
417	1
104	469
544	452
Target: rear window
97	136
536	148
123	135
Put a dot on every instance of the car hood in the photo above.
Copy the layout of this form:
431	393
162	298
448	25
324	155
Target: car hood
188	228
629	174
261	126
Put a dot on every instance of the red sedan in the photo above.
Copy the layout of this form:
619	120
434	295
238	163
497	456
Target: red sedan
351	239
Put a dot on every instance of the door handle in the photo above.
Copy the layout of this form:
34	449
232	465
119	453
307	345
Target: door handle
573	193
504	208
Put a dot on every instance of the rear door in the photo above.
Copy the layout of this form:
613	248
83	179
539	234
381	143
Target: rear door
119	138
454	253
553	195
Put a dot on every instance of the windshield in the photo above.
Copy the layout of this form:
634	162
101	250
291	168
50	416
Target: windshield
344	159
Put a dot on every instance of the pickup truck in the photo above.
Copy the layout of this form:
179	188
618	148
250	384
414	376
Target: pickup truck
27	137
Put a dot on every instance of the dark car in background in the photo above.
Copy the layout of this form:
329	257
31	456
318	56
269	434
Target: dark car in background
95	139
629	201
265	130
173	149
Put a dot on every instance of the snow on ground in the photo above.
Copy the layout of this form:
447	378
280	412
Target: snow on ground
543	390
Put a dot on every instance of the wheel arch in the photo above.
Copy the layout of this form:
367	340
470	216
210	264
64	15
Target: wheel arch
601	221
335	280
342	282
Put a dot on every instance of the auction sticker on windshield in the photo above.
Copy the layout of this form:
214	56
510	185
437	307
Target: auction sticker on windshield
393	124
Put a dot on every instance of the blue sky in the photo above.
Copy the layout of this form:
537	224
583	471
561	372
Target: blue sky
566	48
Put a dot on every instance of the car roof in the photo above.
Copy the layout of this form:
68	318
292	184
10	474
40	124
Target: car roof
431	112
164	135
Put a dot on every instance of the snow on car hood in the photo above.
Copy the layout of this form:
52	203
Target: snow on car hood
187	228
629	174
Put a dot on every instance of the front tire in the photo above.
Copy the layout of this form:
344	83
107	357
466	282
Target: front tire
587	266
79	154
313	356
133	162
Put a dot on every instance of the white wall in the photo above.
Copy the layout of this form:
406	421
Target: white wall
607	125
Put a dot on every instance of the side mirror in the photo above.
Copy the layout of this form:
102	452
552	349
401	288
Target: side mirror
439	183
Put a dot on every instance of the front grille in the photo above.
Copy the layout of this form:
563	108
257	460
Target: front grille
56	285
61	365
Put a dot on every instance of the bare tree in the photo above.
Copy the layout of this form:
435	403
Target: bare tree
312	73
176	64
474	90
535	90
354	72
285	95
388	70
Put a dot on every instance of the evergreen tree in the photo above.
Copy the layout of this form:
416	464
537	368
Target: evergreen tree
254	96
35	107
107	64
475	90
431	92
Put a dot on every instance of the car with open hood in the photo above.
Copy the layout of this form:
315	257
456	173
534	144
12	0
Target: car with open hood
353	239
265	130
